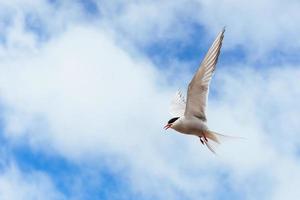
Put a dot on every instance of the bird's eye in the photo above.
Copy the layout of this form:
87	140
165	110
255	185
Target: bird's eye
172	120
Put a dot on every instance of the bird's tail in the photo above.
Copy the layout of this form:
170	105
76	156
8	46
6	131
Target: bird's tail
212	139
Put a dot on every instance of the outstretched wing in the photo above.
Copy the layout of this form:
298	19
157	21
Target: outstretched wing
177	106
199	86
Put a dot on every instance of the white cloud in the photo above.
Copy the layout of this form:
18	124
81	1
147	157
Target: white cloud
258	27
83	95
16	185
145	21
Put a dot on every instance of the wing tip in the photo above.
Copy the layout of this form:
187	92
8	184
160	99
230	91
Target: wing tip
222	33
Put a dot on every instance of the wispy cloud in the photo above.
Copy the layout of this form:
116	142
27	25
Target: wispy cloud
15	184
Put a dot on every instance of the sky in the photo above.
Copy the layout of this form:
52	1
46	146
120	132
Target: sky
85	88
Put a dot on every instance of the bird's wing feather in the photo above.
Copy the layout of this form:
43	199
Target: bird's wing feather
198	88
177	106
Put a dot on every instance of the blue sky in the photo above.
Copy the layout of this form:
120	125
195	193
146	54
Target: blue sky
85	88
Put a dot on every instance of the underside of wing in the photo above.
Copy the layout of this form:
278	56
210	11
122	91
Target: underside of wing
178	104
199	86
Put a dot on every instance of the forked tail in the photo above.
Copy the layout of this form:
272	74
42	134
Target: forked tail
212	139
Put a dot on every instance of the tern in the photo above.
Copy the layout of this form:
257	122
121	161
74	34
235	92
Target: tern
189	116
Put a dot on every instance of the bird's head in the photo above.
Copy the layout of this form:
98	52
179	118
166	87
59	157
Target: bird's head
170	123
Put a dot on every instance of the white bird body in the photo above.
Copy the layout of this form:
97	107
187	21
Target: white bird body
189	115
190	125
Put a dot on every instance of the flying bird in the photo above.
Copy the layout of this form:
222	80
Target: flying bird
188	116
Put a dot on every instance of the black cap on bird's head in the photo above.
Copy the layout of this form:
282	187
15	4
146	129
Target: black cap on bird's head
170	122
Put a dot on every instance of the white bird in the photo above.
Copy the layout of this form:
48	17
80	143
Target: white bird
189	115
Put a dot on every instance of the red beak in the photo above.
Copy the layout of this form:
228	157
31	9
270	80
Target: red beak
167	126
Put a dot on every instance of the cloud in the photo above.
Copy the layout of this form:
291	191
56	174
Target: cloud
84	97
90	94
253	27
16	185
83	104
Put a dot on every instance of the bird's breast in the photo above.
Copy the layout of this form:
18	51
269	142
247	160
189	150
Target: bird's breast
191	125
